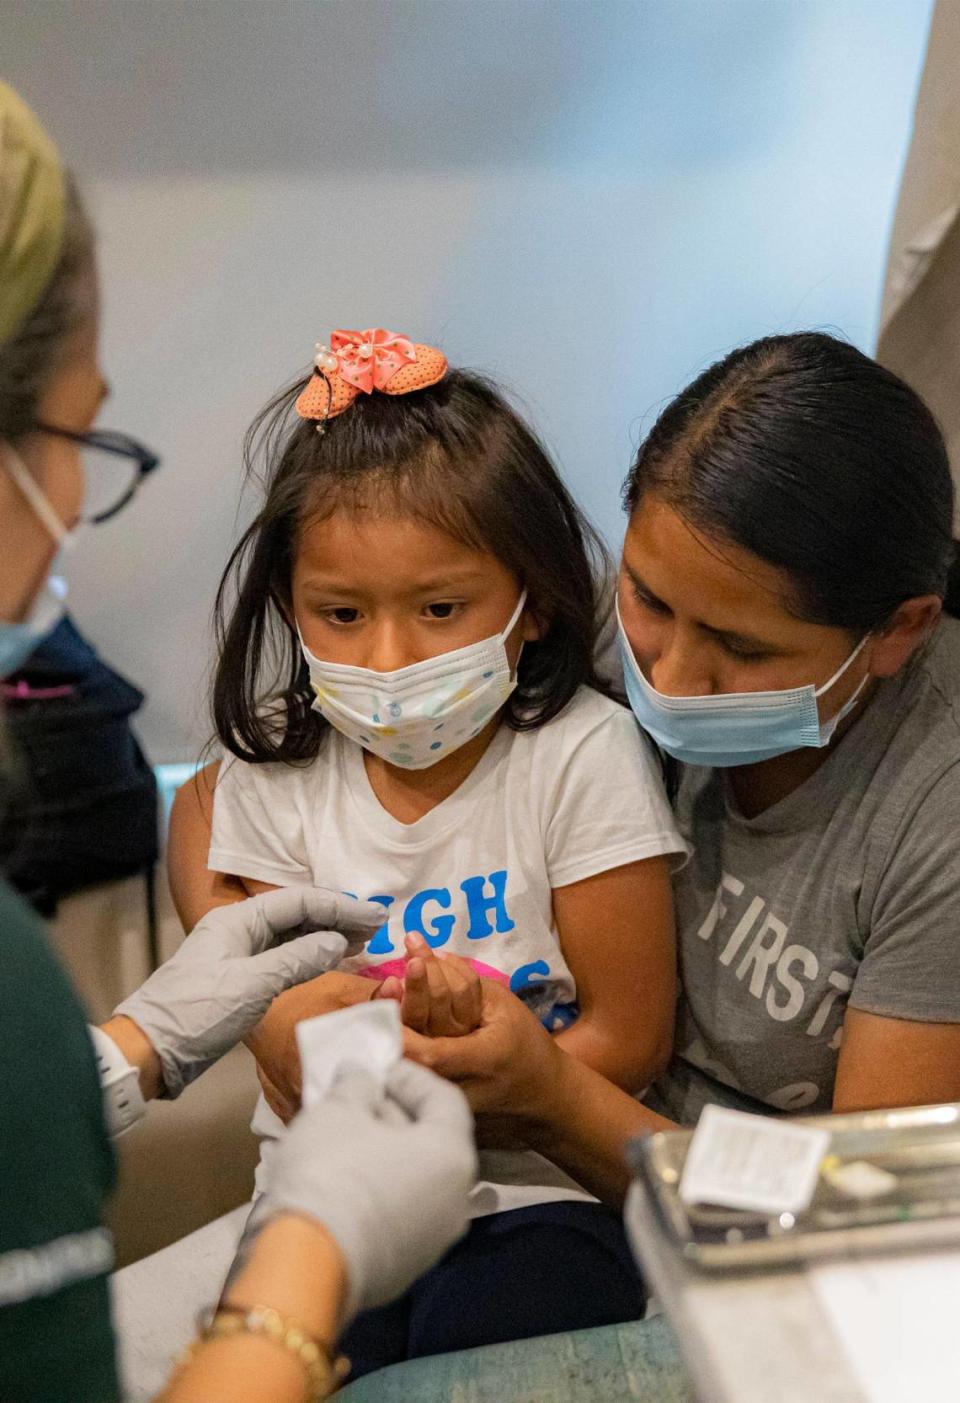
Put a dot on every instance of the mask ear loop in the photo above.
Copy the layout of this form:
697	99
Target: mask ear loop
514	620
515	616
827	728
37	498
820	691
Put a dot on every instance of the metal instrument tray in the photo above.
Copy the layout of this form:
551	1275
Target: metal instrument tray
919	1146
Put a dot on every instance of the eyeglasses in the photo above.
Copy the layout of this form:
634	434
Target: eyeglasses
115	466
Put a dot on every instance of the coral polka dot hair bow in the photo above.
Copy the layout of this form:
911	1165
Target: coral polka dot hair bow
359	362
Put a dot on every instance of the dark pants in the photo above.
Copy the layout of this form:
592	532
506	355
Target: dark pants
532	1271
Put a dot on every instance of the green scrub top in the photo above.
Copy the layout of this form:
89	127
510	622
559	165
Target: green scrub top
57	1170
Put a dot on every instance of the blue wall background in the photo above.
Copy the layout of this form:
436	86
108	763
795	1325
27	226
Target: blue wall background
590	199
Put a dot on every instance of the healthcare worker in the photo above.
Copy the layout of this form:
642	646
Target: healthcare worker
341	1234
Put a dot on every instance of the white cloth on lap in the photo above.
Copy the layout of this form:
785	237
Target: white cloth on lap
156	1302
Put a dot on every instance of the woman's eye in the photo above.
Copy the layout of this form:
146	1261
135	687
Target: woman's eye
440	611
646	601
745	655
343	615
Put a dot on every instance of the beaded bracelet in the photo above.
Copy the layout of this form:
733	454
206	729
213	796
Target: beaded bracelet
324	1372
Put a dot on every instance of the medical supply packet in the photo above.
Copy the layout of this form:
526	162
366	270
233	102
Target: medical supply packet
886	1180
367	1037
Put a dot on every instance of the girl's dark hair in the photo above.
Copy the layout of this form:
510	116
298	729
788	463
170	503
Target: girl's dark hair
33	354
455	455
818	460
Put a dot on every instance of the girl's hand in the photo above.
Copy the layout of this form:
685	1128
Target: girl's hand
284	1106
442	995
510	1067
274	1041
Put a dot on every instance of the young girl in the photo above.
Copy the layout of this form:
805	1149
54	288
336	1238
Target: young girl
405	685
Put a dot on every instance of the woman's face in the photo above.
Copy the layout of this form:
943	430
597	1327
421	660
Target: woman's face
705	617
71	401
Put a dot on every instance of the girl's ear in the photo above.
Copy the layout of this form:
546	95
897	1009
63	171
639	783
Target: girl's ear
911	625
532	626
284	607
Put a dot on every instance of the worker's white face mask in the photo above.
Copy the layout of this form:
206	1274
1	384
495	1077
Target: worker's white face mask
416	715
19	640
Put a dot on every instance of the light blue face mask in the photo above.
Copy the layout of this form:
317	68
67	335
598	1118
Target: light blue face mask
732	728
18	640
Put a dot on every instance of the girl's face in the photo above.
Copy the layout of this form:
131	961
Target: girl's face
705	617
381	592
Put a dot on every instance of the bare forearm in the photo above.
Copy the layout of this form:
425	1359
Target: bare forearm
613	1053
195	889
138	1050
297	1269
586	1126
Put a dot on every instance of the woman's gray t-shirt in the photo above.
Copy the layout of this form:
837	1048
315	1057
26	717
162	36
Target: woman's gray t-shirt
846	892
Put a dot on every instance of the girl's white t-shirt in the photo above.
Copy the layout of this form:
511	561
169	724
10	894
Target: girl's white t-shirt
580	795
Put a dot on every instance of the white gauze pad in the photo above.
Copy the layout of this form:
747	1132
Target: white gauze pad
367	1036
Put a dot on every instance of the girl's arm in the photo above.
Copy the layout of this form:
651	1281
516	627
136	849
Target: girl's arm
617	934
195	889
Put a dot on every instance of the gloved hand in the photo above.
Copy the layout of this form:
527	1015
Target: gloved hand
234	963
387	1175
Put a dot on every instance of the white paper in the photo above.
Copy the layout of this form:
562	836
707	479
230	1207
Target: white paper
367	1036
756	1163
896	1318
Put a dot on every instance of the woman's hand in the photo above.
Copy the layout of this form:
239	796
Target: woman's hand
228	971
524	1089
509	1067
273	1041
388	1176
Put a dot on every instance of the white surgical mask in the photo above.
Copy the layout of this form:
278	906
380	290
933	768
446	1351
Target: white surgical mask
42	506
19	640
416	715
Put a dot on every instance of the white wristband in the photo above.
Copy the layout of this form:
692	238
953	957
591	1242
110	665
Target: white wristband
123	1103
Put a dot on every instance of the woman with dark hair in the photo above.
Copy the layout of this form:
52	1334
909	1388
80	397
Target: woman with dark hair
787	604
